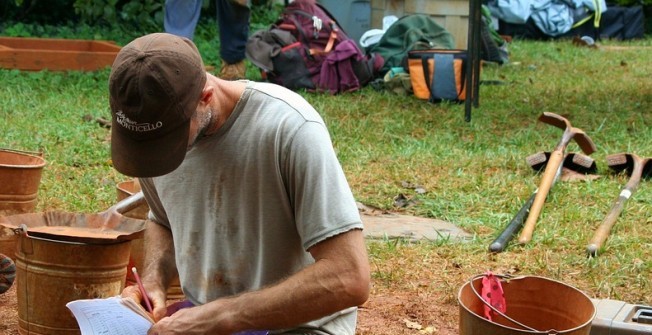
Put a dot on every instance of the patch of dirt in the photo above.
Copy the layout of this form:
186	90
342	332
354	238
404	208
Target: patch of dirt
395	313
406	313
407	297
9	312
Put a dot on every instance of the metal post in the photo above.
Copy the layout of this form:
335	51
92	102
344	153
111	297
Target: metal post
472	80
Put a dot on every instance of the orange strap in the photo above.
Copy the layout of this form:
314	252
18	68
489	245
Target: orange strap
329	45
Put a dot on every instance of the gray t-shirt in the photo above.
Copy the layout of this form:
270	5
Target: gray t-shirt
249	201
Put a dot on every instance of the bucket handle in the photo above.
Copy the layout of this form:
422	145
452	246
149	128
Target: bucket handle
550	332
25	247
33	153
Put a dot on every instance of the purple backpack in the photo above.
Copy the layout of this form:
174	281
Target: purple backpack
307	49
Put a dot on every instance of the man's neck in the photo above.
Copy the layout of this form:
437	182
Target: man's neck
226	96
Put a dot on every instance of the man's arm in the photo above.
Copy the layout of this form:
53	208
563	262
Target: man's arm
339	279
158	263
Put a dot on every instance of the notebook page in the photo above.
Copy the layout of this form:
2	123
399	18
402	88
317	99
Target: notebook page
108	317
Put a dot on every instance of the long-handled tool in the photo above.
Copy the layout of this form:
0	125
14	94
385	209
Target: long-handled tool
111	217
573	161
637	168
552	167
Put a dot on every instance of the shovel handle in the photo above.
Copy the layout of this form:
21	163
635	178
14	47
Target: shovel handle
604	229
129	203
547	180
601	234
500	243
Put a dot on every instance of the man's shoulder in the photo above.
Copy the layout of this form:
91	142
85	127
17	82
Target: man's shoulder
294	102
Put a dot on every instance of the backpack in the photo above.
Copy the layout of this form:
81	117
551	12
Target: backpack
307	49
410	32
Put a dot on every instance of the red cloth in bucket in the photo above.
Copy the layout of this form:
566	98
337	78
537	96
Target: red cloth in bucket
492	293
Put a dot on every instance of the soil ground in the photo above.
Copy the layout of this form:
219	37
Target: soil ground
384	313
9	312
392	308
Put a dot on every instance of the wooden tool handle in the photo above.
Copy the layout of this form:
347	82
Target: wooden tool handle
603	230
601	234
548	179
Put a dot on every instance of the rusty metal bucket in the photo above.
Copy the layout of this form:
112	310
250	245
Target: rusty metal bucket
125	189
535	305
68	256
53	273
20	177
7	242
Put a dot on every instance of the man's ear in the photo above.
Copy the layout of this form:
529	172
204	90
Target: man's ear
206	95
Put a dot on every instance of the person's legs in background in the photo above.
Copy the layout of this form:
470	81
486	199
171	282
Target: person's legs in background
181	17
233	23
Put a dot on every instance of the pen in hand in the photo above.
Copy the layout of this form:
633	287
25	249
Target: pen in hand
148	304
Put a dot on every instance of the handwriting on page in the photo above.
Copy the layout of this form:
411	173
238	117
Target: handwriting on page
108	317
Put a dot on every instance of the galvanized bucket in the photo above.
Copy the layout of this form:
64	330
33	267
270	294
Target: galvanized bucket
20	177
65	256
7	242
52	273
125	189
535	305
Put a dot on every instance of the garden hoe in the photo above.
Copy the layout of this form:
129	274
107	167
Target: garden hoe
573	161
637	168
553	166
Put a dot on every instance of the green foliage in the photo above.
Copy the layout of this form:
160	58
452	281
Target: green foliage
144	14
93	10
22	30
120	35
36	11
265	14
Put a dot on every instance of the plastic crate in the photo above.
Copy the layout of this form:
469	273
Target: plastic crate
615	317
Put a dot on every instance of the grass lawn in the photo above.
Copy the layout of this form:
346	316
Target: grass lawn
474	173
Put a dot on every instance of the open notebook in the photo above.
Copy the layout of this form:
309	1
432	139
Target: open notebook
110	316
118	316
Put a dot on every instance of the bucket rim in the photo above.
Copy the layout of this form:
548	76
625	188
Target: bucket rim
38	156
124	186
513	278
46	240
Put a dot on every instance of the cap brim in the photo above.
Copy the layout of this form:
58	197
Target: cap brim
149	158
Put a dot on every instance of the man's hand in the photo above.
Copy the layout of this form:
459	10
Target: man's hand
205	319
158	260
156	296
339	279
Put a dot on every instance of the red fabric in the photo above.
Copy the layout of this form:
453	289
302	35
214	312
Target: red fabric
492	293
337	73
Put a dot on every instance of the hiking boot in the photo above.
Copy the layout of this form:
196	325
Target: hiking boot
233	71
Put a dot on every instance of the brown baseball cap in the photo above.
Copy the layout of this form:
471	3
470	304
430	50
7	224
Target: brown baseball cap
154	89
